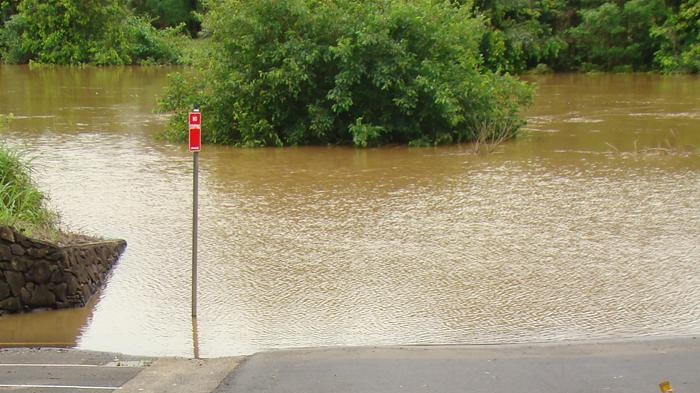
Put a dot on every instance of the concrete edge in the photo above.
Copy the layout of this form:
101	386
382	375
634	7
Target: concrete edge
181	375
561	348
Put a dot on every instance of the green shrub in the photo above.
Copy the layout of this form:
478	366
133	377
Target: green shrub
100	32
297	72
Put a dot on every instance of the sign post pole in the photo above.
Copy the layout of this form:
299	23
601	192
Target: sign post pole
195	228
195	145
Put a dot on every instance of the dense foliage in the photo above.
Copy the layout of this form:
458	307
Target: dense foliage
292	72
586	35
679	39
617	36
563	35
101	32
7	9
522	34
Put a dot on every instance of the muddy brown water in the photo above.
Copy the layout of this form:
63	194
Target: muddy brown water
587	227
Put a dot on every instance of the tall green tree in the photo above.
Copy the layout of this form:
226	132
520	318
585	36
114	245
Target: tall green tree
618	35
522	33
680	39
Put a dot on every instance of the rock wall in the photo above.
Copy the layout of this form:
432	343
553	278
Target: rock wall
37	274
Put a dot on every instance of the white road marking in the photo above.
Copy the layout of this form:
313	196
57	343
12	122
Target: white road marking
115	364
46	365
63	387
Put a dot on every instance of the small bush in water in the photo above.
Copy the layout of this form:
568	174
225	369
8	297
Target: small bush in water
298	72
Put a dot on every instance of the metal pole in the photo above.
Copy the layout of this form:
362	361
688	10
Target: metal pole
195	338
195	223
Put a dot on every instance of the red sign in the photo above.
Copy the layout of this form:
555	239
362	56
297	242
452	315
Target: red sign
195	119
195	131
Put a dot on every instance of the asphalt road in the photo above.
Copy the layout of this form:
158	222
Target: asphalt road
59	370
623	367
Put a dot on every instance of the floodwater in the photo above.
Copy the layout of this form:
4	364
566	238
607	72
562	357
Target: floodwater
588	227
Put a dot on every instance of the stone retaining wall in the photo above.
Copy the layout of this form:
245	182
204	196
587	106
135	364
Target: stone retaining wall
37	274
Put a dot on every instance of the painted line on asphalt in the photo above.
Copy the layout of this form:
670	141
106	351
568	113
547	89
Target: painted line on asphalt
113	364
49	365
62	387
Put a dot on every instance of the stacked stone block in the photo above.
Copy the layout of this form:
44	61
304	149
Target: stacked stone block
37	274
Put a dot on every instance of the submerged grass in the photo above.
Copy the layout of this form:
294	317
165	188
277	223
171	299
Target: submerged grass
491	134
670	146
5	120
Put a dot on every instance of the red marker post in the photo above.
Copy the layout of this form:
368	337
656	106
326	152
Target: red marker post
195	120
195	145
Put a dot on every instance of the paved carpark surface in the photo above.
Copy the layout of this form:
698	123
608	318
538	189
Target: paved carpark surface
615	367
61	371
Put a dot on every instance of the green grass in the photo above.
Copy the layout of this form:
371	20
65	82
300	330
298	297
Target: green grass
22	205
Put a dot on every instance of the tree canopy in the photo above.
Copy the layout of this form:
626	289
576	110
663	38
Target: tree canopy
560	35
592	35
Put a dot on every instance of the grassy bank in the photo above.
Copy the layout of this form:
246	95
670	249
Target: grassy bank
22	204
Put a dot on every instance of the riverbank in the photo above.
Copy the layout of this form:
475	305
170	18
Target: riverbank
615	366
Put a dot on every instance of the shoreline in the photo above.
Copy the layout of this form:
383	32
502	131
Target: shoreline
612	341
619	344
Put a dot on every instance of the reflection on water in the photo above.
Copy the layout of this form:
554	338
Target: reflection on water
60	328
571	232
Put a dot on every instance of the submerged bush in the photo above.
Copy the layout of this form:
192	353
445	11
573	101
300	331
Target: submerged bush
297	72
